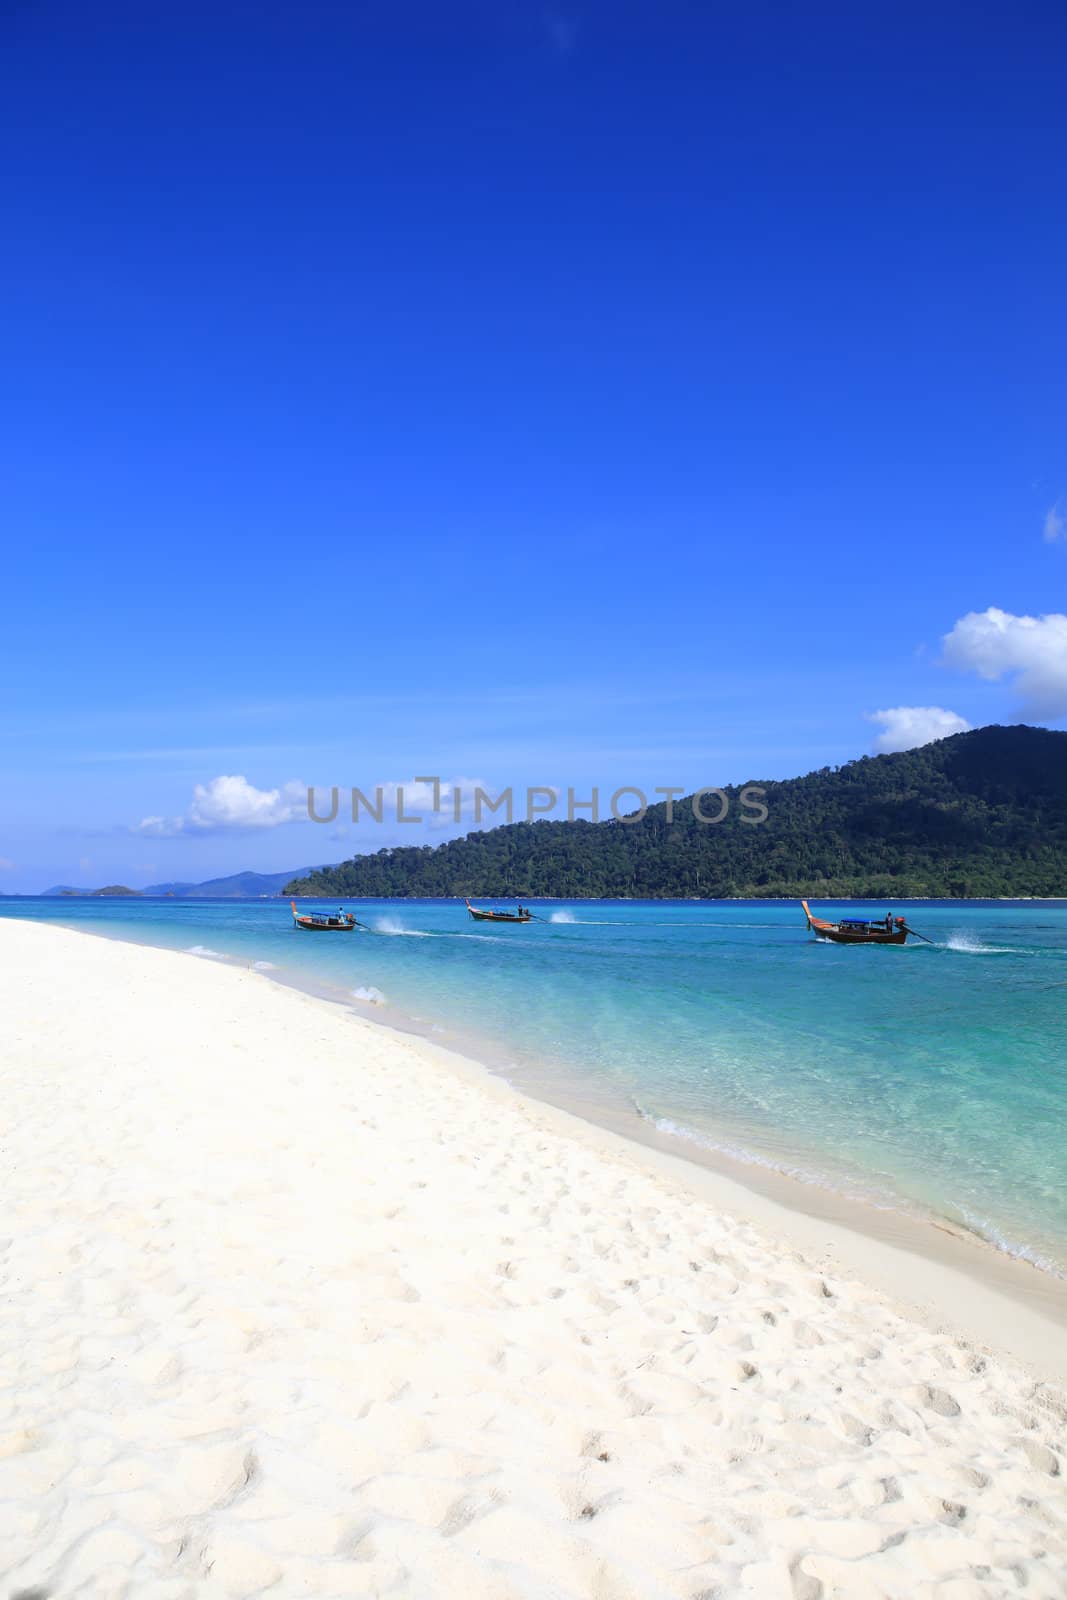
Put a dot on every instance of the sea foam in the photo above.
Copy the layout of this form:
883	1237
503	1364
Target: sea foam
369	995
396	930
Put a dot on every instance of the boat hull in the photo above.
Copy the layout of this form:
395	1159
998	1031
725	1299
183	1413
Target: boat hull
496	916
835	936
323	924
835	933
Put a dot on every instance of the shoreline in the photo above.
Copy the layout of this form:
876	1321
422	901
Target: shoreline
296	1303
945	1275
991	1283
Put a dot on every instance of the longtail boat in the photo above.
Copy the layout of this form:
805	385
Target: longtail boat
860	930
520	915
324	921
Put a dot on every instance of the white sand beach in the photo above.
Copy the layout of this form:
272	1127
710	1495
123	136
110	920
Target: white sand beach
293	1304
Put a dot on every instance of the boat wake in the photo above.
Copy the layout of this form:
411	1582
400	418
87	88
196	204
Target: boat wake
632	922
967	945
391	929
568	917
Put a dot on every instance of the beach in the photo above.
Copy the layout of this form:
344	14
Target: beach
294	1303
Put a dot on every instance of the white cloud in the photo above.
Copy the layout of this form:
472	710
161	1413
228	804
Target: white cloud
231	805
1055	524
907	727
1032	650
419	799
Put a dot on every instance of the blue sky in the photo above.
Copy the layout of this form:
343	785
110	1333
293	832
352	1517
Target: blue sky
631	393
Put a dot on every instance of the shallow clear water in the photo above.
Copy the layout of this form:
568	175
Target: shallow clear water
933	1078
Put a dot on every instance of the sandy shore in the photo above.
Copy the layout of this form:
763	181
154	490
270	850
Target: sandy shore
292	1304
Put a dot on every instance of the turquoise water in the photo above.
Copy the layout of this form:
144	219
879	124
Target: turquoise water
930	1078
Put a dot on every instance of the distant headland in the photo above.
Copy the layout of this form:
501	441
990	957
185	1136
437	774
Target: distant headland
978	815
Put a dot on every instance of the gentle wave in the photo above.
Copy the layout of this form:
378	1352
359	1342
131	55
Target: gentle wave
750	1158
265	966
980	1227
201	950
369	994
991	1234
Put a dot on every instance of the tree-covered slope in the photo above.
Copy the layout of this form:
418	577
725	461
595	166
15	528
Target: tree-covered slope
981	813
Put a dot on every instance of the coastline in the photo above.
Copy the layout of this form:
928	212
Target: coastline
946	1275
295	1303
817	1212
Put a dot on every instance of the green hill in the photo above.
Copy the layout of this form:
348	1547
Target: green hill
979	814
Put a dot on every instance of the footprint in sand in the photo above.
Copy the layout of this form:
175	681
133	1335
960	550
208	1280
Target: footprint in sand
941	1402
1040	1457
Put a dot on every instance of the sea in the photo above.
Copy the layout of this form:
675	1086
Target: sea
929	1079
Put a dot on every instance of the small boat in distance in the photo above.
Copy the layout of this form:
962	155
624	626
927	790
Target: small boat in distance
860	930
324	921
521	915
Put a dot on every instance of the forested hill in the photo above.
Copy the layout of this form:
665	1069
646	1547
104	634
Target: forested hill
982	813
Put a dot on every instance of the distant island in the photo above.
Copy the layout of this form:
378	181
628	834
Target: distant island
110	891
980	814
238	886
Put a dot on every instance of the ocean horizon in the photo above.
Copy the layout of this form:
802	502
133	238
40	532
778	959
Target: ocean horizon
931	1080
